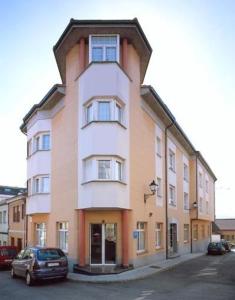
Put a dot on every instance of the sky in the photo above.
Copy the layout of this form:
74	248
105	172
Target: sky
192	68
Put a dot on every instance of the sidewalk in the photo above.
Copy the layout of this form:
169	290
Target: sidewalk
138	273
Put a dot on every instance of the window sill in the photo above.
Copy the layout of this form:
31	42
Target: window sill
186	242
141	252
103	180
108	121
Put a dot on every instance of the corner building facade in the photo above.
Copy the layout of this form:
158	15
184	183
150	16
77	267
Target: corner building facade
96	141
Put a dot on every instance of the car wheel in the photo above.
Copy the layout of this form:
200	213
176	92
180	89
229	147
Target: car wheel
29	279
13	275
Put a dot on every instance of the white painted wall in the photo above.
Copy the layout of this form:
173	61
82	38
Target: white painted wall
4	227
103	138
38	203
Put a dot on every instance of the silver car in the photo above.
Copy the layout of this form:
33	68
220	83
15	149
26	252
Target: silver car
37	263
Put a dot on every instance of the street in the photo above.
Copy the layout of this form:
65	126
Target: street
204	278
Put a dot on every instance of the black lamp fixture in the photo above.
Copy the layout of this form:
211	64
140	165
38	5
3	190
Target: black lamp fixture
194	205
153	188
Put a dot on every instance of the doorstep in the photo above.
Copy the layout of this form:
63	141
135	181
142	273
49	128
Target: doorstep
100	270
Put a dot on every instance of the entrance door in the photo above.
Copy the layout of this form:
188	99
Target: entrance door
103	239
173	237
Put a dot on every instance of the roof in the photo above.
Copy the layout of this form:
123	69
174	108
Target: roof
77	29
54	94
225	224
11	190
17	198
153	99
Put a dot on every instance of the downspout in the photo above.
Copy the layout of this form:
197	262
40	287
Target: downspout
196	196
166	185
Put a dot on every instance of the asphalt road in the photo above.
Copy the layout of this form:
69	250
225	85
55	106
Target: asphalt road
204	278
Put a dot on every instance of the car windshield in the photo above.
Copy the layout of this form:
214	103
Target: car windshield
49	254
8	252
214	244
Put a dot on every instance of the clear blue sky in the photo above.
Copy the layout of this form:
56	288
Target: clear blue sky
192	68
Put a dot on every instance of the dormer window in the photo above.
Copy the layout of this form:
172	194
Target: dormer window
104	48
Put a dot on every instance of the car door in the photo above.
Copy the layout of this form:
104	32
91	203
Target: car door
17	263
25	262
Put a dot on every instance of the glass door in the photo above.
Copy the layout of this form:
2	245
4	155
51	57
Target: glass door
103	240
96	243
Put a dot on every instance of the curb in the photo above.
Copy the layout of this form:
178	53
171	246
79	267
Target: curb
111	279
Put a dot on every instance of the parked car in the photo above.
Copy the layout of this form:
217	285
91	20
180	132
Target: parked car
216	248
226	245
37	263
7	254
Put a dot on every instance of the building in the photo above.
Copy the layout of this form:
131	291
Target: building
96	142
6	192
226	228
17	221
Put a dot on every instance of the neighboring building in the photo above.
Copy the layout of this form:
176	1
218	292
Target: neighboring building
5	193
226	228
17	221
96	142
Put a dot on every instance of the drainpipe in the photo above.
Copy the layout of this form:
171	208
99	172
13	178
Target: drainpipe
196	196
166	184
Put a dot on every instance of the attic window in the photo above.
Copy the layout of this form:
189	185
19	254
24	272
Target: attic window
104	48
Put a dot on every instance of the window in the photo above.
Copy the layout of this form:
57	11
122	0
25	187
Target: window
159	187
45	185
45	142
118	170
37	143
104	48
186	201
29	148
16	213
172	160
207	186
186	172
89	113
22	211
4	218
41	234
186	233
118	113
158	235
207	207
200	180
141	236
29	187
200	205
202	231
103	111
195	232
159	147
63	236
104	169
0	217
172	200
41	184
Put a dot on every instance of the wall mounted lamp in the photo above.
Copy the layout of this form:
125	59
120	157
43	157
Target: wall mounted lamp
153	188
194	205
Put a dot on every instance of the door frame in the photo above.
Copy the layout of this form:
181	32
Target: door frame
102	245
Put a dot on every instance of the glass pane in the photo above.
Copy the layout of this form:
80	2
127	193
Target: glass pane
118	170
46	142
104	40
97	54
118	113
104	170
110	54
141	240
110	243
89	114
103	111
96	243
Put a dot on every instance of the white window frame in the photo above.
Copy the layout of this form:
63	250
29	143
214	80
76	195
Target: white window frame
40	234
158	235
186	233
201	205
186	201
104	47
159	146
159	187
139	231
38	185
186	172
63	230
200	180
37	142
207	186
172	196
4	217
171	160
43	146
195	232
109	177
207	207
